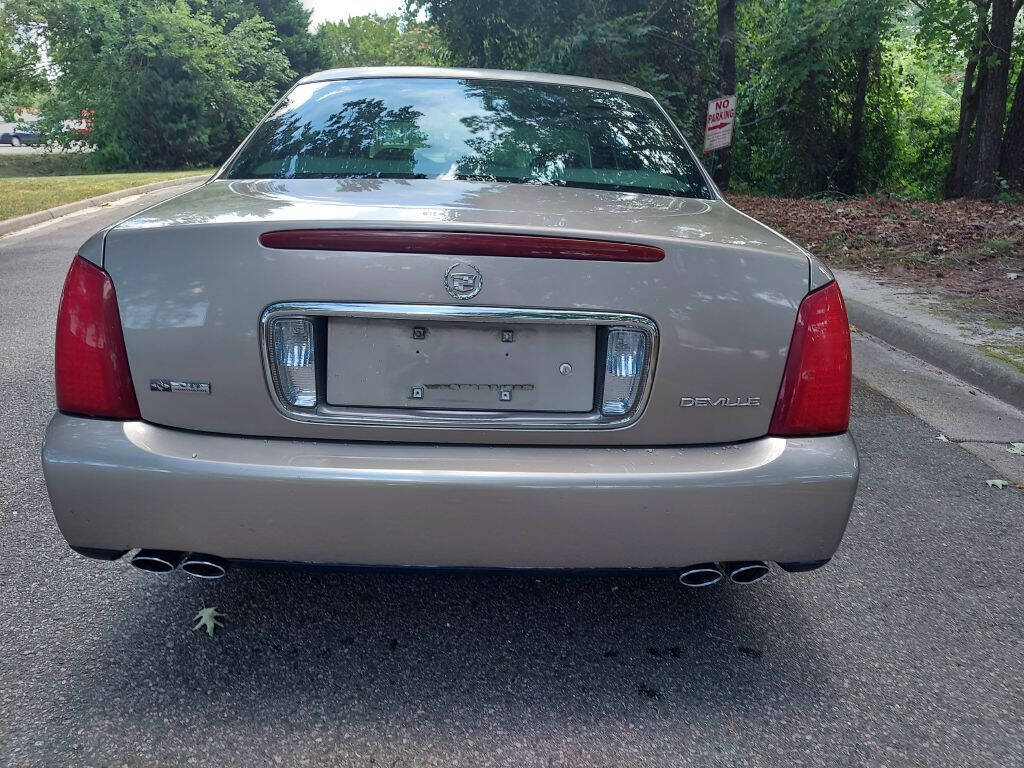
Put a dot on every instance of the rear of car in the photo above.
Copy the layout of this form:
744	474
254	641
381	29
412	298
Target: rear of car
453	318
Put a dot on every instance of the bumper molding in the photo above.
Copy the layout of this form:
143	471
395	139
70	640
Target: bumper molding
121	485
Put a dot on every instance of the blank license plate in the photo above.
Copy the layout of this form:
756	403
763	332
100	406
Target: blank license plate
460	366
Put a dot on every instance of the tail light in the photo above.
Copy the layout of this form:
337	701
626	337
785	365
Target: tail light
623	371
293	360
815	395
91	363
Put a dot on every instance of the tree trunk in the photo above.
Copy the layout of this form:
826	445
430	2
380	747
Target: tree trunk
849	176
726	77
1011	160
956	178
988	133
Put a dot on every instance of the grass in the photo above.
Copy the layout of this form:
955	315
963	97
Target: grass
999	247
1008	353
30	183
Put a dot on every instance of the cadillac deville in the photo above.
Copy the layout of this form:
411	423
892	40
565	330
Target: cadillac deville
463	318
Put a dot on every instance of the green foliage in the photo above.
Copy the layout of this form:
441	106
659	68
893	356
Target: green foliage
851	95
927	112
377	41
801	61
169	85
665	47
21	76
291	25
801	64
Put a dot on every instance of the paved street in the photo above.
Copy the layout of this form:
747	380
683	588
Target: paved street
906	650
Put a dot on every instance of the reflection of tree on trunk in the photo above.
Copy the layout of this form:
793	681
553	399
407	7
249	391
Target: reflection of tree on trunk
541	133
517	132
347	135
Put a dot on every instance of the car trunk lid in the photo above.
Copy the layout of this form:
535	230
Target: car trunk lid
196	276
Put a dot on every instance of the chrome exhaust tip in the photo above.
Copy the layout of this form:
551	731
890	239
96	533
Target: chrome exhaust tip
204	566
157	560
747	571
701	575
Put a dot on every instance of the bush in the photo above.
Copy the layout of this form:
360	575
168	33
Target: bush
168	85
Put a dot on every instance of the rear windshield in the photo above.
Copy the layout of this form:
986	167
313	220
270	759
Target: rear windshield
474	130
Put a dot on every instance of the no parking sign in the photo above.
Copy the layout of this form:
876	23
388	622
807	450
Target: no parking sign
721	116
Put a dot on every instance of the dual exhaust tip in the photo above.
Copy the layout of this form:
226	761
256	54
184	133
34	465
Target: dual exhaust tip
212	567
739	572
194	563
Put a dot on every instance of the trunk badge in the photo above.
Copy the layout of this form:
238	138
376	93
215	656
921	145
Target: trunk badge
170	385
463	281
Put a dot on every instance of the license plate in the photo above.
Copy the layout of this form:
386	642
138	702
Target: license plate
376	363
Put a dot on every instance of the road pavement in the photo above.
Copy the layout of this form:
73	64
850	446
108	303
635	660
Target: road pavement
906	650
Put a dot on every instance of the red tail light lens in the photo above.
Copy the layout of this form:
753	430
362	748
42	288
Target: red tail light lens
815	395
459	244
93	378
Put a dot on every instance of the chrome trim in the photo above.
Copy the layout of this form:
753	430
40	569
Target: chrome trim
433	418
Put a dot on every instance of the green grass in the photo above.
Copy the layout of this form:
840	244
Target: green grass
1000	247
998	325
30	183
1009	353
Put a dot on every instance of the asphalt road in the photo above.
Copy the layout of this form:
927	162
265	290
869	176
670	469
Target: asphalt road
906	650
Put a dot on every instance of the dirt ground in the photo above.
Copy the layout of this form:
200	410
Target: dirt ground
969	252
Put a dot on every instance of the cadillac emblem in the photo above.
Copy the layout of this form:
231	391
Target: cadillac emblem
463	281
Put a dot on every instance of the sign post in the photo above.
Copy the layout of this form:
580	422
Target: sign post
718	129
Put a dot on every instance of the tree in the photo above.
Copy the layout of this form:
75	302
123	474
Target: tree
1011	158
663	46
819	105
992	92
374	41
21	75
726	76
291	24
980	35
168	85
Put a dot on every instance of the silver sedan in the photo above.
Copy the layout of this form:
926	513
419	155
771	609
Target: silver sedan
469	318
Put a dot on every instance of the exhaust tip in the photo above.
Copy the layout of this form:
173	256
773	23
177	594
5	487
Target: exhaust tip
701	575
747	571
157	560
205	566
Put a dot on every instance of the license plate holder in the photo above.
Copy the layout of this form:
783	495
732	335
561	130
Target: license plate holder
454	365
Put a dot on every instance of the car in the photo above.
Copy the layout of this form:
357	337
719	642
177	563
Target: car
17	137
453	318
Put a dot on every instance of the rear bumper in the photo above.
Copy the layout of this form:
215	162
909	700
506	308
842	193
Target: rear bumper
121	485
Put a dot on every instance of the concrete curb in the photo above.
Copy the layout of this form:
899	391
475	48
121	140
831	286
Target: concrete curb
995	377
31	219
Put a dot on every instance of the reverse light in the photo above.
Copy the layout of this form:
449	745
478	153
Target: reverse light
293	360
91	364
623	371
814	398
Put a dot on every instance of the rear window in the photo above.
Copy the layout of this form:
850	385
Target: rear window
473	130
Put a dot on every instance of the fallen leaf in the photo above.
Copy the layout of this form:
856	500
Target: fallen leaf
1017	448
991	484
943	438
210	618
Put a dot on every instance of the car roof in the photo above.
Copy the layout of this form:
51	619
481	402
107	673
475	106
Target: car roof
352	73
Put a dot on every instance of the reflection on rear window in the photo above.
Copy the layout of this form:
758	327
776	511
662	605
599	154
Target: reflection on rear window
478	130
